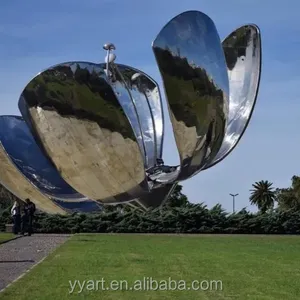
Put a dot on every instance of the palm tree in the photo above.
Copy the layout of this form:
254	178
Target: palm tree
263	195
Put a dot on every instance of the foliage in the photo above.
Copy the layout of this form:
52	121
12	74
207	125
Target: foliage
6	198
263	195
193	218
178	215
289	198
177	198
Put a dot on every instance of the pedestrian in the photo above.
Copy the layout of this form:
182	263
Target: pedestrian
24	220
27	219
16	214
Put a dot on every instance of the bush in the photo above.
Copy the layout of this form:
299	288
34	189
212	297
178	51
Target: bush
190	218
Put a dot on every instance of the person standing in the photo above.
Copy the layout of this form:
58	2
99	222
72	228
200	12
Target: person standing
29	210
16	214
24	219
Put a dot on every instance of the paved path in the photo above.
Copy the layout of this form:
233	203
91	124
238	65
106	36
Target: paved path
19	255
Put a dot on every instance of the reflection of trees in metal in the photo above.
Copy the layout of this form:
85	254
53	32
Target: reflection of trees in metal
235	45
81	124
82	94
193	68
186	107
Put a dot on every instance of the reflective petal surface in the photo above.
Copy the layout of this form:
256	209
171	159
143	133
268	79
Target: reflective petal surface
192	64
17	184
144	109
22	149
81	206
76	117
242	50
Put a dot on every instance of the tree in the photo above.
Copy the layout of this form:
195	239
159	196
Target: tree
263	195
6	198
289	198
113	207
177	198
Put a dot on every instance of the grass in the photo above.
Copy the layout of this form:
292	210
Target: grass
6	237
250	267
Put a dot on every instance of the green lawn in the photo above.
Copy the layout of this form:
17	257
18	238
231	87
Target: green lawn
250	267
6	236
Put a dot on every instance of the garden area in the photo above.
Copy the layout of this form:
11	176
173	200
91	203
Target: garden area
126	266
278	213
178	251
5	237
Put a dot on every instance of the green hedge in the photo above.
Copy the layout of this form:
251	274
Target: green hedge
188	219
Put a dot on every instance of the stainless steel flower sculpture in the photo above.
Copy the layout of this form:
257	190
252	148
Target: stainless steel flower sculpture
98	129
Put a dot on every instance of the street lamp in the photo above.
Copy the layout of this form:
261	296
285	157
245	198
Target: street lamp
233	201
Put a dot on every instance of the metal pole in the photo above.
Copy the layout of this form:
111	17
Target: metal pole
233	201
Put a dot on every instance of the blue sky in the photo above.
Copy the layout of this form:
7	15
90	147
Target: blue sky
37	34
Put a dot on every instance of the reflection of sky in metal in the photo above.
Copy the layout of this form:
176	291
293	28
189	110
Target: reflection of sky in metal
241	97
136	100
243	82
29	159
156	107
242	94
91	67
82	206
194	36
128	107
145	93
236	78
146	124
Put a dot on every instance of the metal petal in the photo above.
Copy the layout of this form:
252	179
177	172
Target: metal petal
17	184
22	149
242	50
89	206
76	117
145	111
192	64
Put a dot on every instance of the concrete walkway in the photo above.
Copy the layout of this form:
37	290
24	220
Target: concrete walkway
19	255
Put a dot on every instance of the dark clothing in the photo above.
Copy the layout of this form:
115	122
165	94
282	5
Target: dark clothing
27	218
29	228
24	224
17	223
29	209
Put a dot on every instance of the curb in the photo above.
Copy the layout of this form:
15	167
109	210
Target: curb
32	267
22	275
12	239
